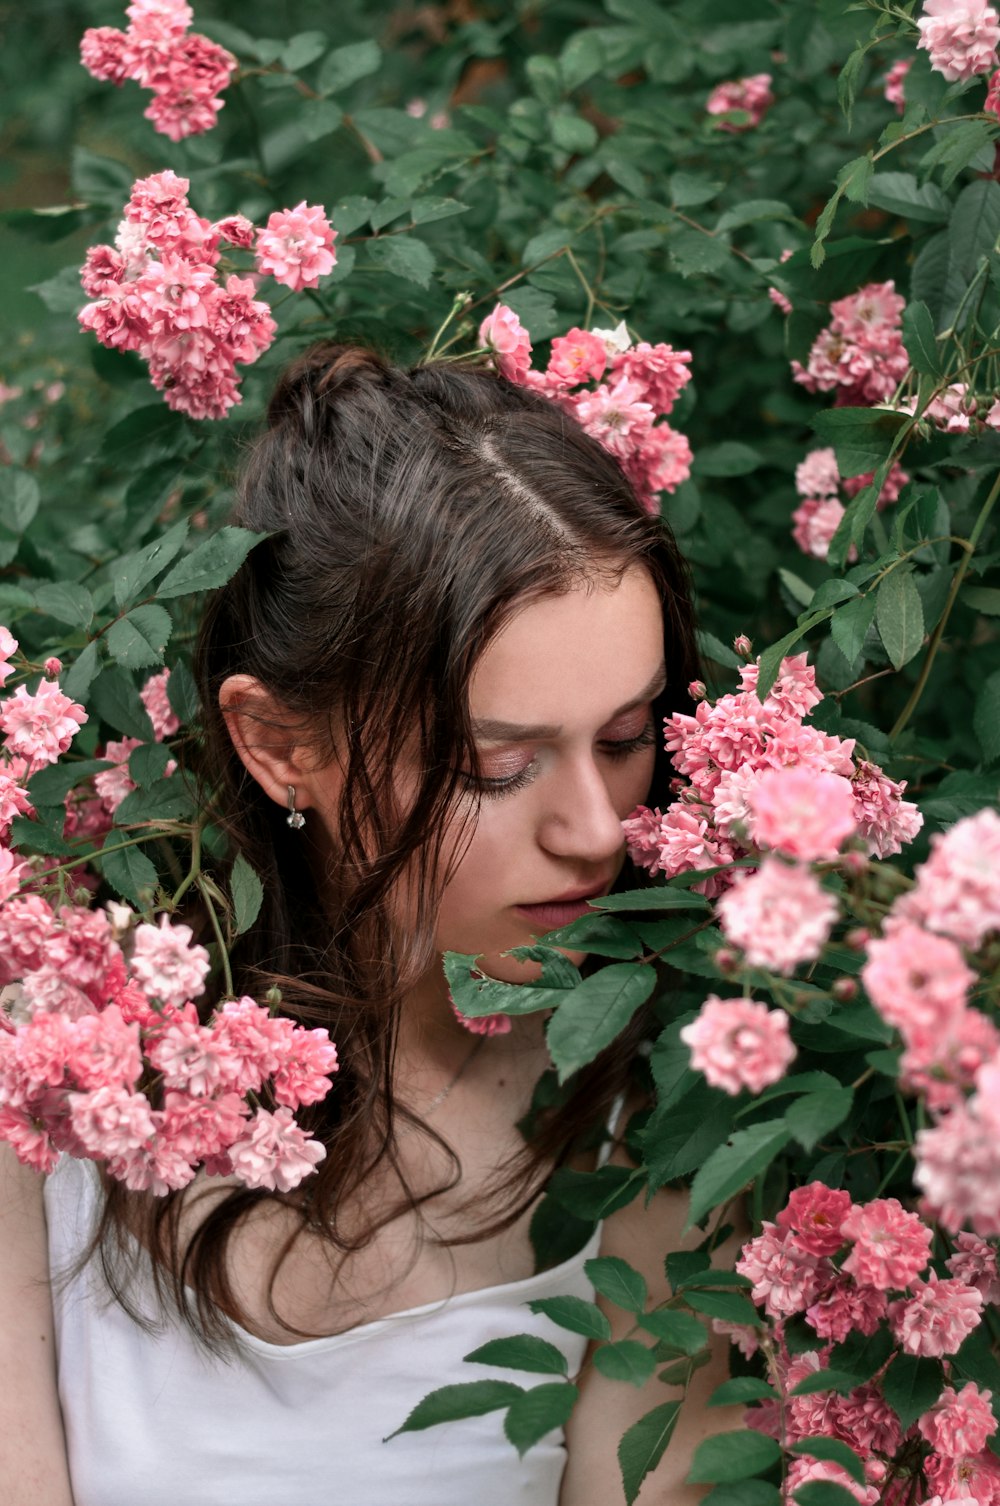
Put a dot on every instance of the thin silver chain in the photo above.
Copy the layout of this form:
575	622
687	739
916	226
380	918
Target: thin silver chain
440	1098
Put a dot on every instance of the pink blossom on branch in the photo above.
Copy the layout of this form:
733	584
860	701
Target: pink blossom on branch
959	1422
891	1246
893	84
739	1044
960	37
779	916
40	725
741	97
296	246
802	812
275	1152
508	342
938	1318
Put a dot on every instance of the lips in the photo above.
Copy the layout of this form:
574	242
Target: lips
563	909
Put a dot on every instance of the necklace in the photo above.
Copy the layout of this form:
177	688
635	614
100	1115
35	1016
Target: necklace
470	1058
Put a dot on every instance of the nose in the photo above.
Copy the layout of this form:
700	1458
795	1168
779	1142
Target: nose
579	818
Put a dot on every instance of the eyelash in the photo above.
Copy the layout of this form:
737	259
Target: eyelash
496	789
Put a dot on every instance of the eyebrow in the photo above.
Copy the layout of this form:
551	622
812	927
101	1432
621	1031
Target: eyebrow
496	731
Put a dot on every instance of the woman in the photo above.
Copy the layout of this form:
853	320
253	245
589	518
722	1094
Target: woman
431	694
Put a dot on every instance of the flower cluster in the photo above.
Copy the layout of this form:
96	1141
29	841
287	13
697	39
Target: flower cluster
159	290
860	355
757	776
738	1043
103	1057
844	1270
741	103
960	37
186	71
819	484
634	389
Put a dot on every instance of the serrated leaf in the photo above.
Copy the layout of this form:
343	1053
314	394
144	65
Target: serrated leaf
164	800
850	623
861	1356
138	639
404	256
729	1457
901	194
590	1016
742	1388
144	436
651	899
861	437
575	1315
61	294
811	1117
346	65
129	871
571	133
537	1412
899	615
133	572
51	785
986	717
985	599
78	678
920	339
148	763
681	1331
643	1446
19	498
425	211
628	1361
615	1279
824	1380
975	226
452	1403
522	1351
911	1386
728	1169
350	213
833	1451
731	1307
210	564
182	693
67	602
594	1195
247	892
116	701
304	49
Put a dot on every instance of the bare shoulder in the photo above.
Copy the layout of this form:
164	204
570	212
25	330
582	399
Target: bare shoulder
643	1235
33	1469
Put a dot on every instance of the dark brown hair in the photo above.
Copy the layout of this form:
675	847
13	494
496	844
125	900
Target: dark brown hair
408	513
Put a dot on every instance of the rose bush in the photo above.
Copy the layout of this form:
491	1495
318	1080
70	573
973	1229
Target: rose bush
753	245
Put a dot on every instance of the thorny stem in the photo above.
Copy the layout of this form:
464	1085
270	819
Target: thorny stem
938	633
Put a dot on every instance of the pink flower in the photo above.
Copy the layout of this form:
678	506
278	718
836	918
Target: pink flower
507	340
111	1121
938	1318
885	820
13	802
943	1065
103	1051
891	1246
745	1337
166	964
861	353
659	371
956	891
660	461
28	1138
973	1480
739	1044
813	1217
844	1306
891	486
802	812
484	1024
112	785
576	357
25	924
975	1263
42	725
785	1280
893	84
804	1471
816	520
102	53
162	715
200	1129
304	1073
916	980
817	475
958	1169
13	873
296	246
959	1421
237	230
274	1152
192	1057
960	36
257	1040
615	415
779	916
8	647
991	106
751	97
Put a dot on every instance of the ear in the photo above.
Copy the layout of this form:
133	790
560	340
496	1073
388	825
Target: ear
268	738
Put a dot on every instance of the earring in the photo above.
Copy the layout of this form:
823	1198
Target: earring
296	819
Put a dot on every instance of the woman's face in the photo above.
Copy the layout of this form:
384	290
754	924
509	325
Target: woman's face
561	708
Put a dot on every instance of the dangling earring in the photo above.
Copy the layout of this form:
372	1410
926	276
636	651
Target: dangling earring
296	819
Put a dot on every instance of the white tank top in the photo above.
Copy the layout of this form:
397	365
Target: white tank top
150	1418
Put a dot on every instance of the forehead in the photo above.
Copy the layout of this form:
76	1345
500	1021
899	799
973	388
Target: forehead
567	657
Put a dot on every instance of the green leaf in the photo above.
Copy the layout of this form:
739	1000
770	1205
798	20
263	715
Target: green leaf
51	785
593	1195
62	293
644	1444
850	623
901	194
523	1351
729	1457
854	178
824	1493
615	1279
537	1412
100	179
575	1315
600	935
116	701
743	1493
731	1307
920	339
138	639
954	149
128	870
833	1451
582	56
659	898
210	564
77	680
911	1386
628	1361
133	572
145	435
696	253
861	1356
728	458
590	1016
975	226
165	800
571	133
984	599
899	615
752	211
247	892
19	498
770	659
404	256
346	65
743	1157
148	763
681	1331
741	1388
811	1117
350	213
66	602
861	437
426	210
304	49
452	1403
824	1380
182	693
986	717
